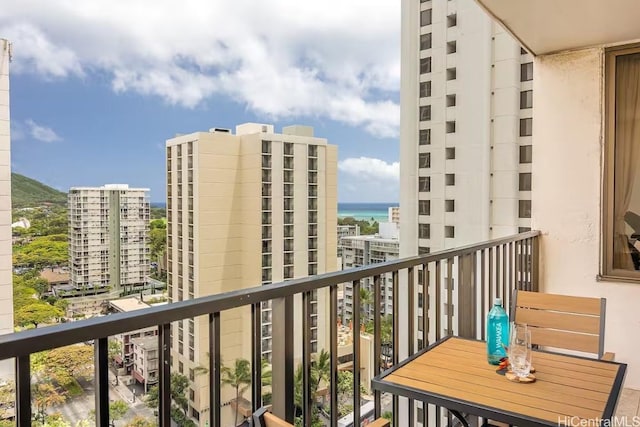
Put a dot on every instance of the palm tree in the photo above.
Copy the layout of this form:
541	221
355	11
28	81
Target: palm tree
238	377
366	299
322	368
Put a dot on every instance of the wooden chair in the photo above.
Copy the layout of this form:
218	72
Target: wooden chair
563	322
264	418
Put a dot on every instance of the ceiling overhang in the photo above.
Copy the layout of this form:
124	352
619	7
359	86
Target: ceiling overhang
549	26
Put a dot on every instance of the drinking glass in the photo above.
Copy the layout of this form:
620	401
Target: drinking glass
520	350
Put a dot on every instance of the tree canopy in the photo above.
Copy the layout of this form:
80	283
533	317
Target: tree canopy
366	227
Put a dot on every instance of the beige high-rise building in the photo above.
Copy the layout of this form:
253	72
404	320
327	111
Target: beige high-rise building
109	237
245	209
6	289
466	125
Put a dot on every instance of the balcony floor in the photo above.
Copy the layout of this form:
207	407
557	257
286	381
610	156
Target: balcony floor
629	404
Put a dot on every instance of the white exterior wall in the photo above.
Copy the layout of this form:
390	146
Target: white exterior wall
6	292
486	114
568	129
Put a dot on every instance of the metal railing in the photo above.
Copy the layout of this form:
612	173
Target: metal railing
456	285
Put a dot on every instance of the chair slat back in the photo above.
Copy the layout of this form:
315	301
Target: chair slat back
562	321
273	421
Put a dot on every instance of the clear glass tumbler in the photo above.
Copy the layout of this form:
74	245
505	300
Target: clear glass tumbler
520	350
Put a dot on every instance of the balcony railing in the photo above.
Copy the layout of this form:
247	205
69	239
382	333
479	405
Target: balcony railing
455	287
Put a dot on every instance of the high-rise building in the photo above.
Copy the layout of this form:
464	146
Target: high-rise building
245	209
466	125
6	289
365	250
109	237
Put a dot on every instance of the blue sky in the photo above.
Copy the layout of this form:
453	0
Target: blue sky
97	87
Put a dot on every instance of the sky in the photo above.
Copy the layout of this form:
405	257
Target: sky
98	86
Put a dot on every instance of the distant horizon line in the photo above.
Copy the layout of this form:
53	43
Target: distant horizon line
359	203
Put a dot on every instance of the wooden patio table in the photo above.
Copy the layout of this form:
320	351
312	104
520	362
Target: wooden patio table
454	373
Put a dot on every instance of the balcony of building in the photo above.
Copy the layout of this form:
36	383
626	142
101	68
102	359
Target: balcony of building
454	288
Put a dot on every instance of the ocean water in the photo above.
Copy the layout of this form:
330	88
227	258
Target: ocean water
366	211
360	211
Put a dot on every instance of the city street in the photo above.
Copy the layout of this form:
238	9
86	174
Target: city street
79	408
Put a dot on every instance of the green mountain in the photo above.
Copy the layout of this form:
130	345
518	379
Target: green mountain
27	192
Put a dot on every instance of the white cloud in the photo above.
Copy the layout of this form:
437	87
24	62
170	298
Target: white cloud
281	58
368	168
41	133
366	179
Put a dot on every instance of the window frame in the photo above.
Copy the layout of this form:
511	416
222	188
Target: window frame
607	193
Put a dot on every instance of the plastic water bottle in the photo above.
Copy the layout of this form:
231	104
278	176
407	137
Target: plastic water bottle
497	332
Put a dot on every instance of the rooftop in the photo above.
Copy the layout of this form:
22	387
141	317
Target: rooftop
128	304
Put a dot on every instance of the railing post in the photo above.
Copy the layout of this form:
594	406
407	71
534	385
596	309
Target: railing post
101	362
466	297
164	385
307	398
23	390
214	370
535	261
282	358
256	356
333	331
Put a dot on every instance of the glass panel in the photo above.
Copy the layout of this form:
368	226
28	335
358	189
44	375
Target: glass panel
626	197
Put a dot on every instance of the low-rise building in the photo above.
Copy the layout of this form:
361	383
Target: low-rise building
125	360
145	360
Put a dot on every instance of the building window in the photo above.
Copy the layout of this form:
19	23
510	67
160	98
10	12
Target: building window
525	182
451	74
524	209
451	101
423	250
526	126
449	205
424	160
425	17
313	269
622	155
424	184
523	229
425	137
526	99
288	272
450	179
450	153
452	20
526	153
425	113
266	147
424	231
451	127
449	231
452	47
425	41
526	72
424	207
425	65
425	89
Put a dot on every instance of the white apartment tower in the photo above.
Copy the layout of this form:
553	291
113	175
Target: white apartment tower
245	209
365	250
466	120
109	237
6	288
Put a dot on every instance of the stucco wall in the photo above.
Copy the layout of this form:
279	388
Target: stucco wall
568	138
